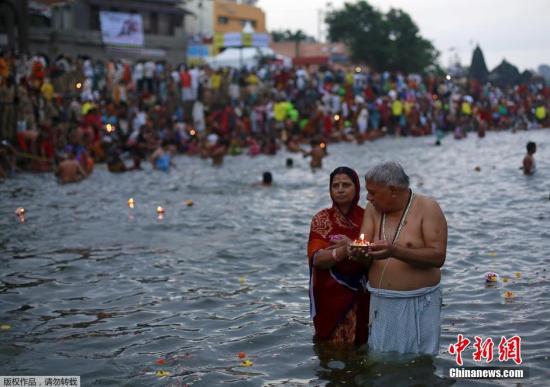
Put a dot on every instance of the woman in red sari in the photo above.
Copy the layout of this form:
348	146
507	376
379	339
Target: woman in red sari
339	301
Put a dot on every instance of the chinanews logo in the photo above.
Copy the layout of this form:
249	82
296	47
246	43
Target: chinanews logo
508	350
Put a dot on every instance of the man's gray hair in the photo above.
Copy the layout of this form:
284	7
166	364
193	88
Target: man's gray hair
388	173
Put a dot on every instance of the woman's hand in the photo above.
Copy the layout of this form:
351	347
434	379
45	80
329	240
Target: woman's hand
339	241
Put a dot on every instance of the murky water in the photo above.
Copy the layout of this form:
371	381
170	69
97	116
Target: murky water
91	288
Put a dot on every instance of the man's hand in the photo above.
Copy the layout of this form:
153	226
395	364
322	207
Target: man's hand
381	250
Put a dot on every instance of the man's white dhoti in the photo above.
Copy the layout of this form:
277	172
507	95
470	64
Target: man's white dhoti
405	321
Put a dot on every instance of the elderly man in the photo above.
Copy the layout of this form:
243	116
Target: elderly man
409	234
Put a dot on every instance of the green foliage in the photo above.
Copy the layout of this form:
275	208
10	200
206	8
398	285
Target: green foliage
384	41
291	36
478	68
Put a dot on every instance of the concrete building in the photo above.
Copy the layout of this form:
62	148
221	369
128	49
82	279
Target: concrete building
73	27
14	25
231	16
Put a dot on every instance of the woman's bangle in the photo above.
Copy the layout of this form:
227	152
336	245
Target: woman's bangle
335	256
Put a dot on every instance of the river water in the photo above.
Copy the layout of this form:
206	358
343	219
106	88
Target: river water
93	288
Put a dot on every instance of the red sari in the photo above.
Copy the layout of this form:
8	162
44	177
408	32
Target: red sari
339	301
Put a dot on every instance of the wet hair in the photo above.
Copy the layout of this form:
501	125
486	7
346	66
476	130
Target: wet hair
389	173
267	178
352	175
531	147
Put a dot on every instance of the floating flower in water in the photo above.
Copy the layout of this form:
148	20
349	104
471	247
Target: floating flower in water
5	327
162	374
160	210
517	274
189	203
491	277
242	280
20	213
131	203
508	294
160	361
505	279
492	254
241	355
247	363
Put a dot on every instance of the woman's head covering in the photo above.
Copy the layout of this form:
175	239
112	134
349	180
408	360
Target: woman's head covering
354	178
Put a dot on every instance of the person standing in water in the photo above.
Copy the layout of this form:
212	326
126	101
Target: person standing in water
409	234
339	302
529	166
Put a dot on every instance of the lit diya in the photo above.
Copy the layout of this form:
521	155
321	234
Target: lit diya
361	242
160	213
362	245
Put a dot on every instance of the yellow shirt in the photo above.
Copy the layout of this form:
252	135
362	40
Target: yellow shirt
215	81
47	90
279	111
397	107
466	109
540	112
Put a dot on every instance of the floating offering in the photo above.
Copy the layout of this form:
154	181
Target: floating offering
161	361
189	203
241	355
505	279
508	294
160	213
242	280
247	363
162	374
517	274
20	213
5	327
131	203
491	277
492	254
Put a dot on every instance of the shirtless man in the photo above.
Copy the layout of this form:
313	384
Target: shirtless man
529	160
409	232
70	170
318	151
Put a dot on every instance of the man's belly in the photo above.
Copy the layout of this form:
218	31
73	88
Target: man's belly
401	276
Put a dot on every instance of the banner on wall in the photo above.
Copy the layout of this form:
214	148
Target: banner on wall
120	28
238	39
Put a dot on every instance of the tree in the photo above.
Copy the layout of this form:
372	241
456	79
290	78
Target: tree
385	41
478	68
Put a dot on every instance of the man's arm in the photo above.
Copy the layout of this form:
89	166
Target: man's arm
434	233
367	227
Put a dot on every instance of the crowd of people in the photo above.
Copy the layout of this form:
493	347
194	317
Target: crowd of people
67	114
